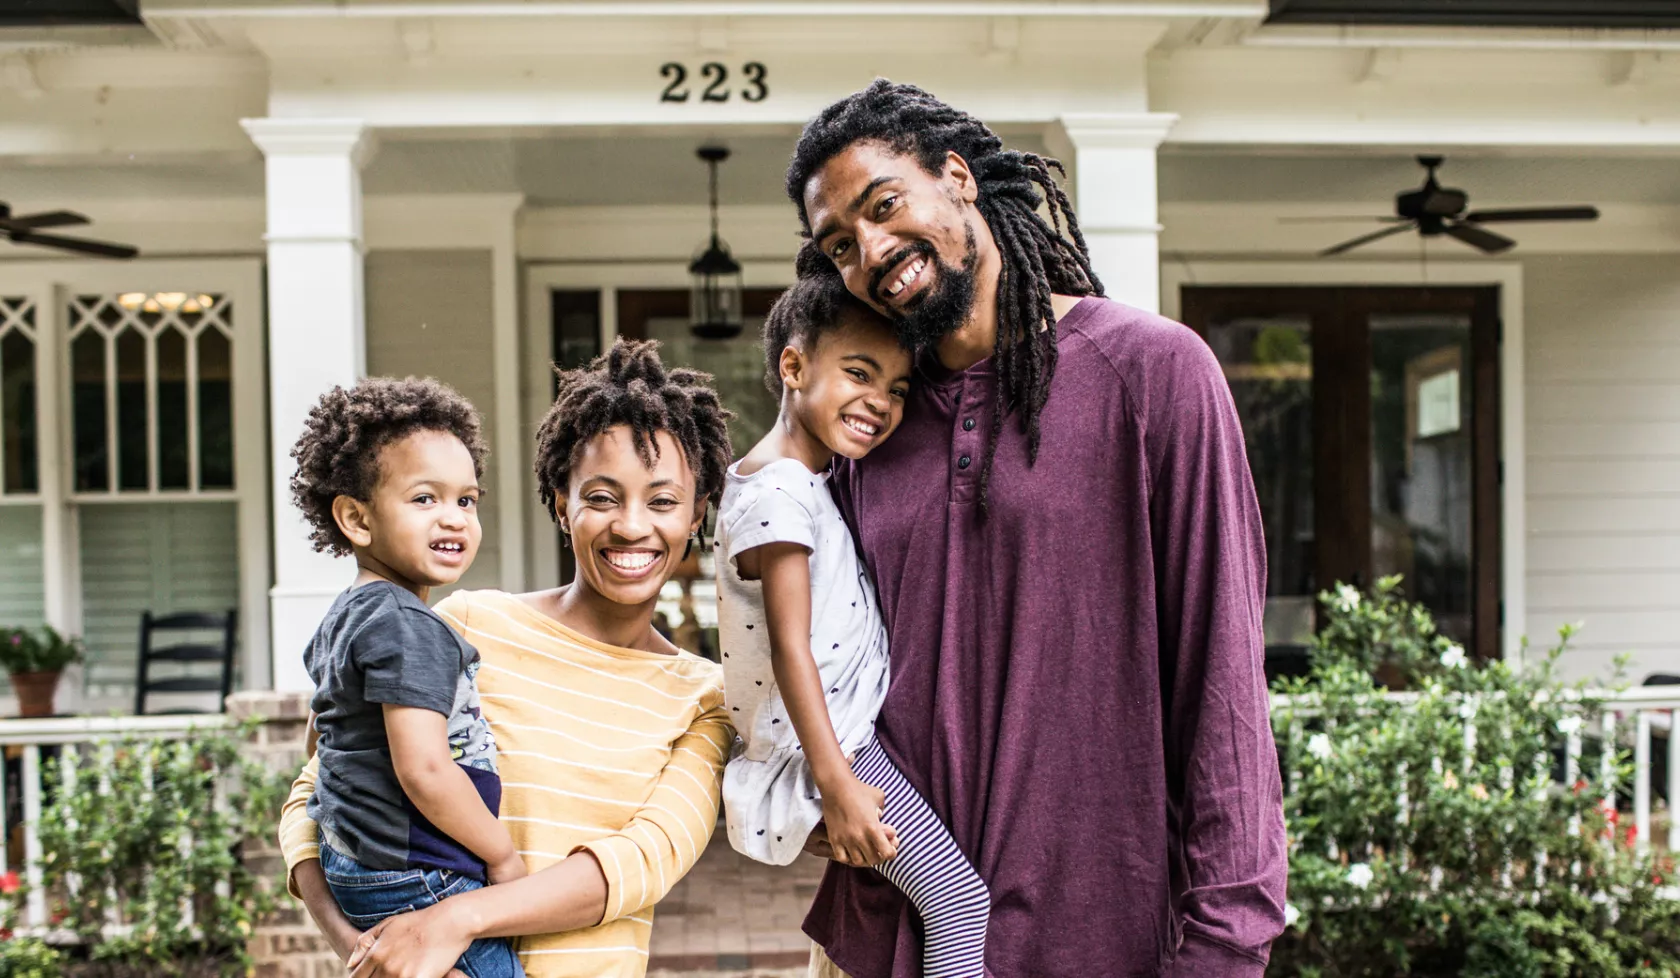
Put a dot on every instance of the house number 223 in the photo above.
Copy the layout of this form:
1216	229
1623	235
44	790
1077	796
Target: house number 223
716	75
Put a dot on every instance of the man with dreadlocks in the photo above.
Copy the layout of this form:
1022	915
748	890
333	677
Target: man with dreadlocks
1068	551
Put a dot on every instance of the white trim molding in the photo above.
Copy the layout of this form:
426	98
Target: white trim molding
1117	130
1508	278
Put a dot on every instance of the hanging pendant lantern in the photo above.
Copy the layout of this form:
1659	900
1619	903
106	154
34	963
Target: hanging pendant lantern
714	305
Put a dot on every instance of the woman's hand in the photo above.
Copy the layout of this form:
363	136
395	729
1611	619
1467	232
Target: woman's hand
852	813
421	944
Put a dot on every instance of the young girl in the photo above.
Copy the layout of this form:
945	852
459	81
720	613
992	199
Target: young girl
804	646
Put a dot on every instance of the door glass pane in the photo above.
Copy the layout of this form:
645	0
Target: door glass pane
132	411
215	411
1268	363
1422	462
17	413
577	327
87	381
172	410
737	369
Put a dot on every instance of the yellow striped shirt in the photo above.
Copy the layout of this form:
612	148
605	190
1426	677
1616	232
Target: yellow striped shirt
613	750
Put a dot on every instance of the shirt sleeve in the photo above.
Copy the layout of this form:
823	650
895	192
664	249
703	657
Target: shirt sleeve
770	512
408	657
664	839
1210	569
299	839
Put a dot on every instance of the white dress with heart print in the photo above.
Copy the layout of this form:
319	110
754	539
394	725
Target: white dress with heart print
770	799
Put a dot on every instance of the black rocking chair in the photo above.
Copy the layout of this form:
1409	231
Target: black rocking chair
188	649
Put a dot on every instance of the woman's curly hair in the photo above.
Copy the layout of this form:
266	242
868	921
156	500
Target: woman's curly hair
629	385
338	454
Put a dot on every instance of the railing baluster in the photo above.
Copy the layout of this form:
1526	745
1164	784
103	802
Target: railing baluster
1642	781
1606	768
68	780
1403	805
1674	782
5	830
36	905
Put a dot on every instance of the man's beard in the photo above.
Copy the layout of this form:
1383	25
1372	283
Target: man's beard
944	307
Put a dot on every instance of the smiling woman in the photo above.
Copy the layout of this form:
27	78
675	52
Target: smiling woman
611	740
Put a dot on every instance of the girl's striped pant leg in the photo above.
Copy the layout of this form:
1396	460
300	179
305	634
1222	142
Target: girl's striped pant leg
933	872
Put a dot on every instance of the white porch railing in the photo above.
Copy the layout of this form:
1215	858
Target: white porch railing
1641	711
77	736
1650	709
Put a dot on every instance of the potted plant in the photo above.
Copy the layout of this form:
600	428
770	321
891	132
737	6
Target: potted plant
34	658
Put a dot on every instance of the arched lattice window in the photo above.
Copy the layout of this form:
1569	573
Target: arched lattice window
151	391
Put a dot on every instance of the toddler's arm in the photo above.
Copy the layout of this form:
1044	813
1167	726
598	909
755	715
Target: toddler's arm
440	789
851	809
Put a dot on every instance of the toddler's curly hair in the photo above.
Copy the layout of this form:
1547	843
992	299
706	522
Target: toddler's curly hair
630	385
338	454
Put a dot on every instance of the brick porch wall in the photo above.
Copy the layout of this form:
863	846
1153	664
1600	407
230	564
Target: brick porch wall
286	945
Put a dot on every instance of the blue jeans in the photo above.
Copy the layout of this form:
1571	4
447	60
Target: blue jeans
368	896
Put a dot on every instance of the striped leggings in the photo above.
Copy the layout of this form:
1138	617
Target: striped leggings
929	868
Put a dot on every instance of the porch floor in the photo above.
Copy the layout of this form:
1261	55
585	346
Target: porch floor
733	915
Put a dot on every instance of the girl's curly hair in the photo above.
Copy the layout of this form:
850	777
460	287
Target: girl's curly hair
629	385
338	453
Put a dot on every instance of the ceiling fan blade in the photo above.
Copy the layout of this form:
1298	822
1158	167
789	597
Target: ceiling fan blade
48	219
1582	213
102	248
1367	239
1344	219
1480	238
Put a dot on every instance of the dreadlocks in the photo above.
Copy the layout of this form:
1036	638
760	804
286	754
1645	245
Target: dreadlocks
1037	260
630	386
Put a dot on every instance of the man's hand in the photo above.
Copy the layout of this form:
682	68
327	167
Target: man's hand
852	812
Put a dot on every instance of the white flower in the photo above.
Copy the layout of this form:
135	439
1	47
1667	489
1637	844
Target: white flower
1467	710
1347	598
1360	875
1569	726
1291	914
1453	657
1318	745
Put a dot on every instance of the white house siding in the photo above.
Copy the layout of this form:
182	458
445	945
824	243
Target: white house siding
428	315
1603	417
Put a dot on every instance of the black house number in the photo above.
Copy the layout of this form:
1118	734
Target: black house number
716	88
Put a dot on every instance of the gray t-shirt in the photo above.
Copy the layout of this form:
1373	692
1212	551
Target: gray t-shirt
380	644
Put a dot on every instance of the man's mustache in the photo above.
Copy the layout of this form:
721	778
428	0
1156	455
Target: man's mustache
920	248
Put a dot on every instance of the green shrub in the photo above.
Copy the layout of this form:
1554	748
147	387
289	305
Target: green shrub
29	958
1428	835
131	848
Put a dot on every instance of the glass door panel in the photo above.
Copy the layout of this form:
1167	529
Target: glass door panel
1371	421
1423	462
1268	362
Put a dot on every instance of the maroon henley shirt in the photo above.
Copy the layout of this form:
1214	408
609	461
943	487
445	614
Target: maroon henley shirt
1077	677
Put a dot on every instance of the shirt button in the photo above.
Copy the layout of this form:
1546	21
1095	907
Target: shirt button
968	424
962	463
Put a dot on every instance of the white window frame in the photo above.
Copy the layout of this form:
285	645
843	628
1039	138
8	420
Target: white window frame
51	283
607	278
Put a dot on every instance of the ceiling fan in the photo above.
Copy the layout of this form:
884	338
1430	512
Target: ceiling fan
1433	210
24	229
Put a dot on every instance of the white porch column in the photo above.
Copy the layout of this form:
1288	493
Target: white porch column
1111	168
316	339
